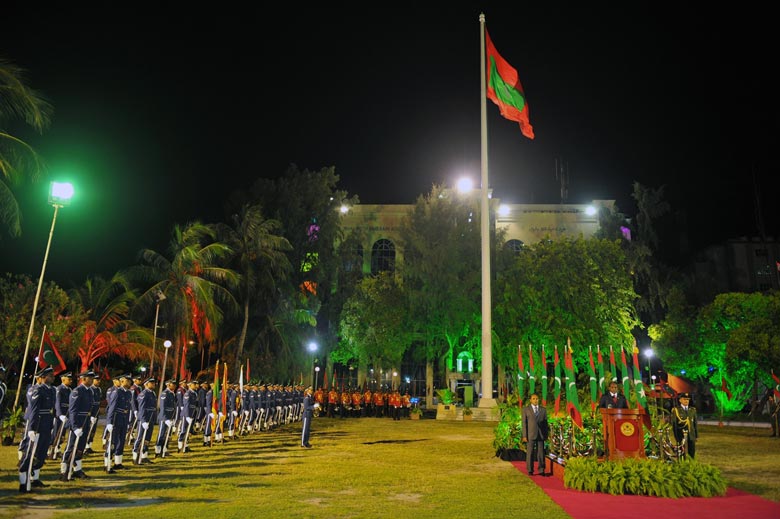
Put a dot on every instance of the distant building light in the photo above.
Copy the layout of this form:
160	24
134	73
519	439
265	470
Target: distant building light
465	185
590	210
504	210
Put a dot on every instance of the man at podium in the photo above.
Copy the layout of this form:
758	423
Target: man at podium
613	399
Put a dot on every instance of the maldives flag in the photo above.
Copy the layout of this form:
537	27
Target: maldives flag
544	378
49	356
531	374
216	393
557	386
505	90
572	400
602	382
520	375
593	382
641	396
777	384
612	366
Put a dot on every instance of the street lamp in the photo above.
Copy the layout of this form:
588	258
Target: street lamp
316	375
60	194
167	345
649	354
395	374
159	296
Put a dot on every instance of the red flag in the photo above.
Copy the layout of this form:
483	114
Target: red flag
724	386
247	370
182	366
505	90
49	356
777	384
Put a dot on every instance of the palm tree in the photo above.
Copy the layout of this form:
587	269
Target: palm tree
259	255
107	330
17	158
194	283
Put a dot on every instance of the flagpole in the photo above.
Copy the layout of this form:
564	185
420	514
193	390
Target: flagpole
487	399
40	350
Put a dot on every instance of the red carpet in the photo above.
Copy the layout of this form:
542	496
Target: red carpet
585	505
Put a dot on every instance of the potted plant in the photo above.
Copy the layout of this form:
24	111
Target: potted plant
467	414
415	413
10	424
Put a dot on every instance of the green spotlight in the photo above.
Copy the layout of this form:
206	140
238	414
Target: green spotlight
60	193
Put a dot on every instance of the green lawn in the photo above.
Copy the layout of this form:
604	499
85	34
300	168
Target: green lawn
358	468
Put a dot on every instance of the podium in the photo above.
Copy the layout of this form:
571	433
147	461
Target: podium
623	436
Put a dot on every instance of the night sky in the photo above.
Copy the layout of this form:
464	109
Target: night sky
160	114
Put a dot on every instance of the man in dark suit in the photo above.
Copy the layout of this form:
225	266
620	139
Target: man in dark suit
613	399
535	430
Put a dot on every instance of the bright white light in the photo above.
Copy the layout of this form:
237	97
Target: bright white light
503	210
167	344
648	353
344	209
590	210
312	346
465	185
143	369
317	369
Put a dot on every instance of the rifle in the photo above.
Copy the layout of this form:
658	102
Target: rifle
30	454
91	426
73	455
108	451
56	450
130	429
186	437
142	437
169	432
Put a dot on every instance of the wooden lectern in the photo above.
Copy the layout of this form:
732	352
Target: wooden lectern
623	436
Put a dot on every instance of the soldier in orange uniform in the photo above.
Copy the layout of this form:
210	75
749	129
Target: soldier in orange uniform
367	403
346	402
379	403
394	404
333	401
406	404
357	399
319	398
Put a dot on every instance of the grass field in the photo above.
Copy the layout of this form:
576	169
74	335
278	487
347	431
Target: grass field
358	468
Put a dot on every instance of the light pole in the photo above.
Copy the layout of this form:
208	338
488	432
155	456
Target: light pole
649	355
312	347
316	375
395	374
159	296
59	196
167	345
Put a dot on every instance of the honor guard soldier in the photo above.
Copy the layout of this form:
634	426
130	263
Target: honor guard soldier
319	399
346	402
394	404
27	420
146	408
97	396
188	413
379	403
357	400
204	407
684	424
61	410
40	412
115	384
333	401
308	414
406	403
135	388
165	417
118	415
79	411
368	402
231	410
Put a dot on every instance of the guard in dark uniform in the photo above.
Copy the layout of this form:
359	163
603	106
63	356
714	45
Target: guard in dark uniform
118	413
231	410
189	413
308	414
61	405
165	417
684	424
146	408
40	412
97	396
114	385
79	410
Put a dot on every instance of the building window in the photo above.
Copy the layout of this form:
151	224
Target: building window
514	245
383	257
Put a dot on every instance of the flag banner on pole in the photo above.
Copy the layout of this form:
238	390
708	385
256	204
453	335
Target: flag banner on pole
247	370
241	381
224	391
50	356
572	399
612	366
639	388
505	90
602	382
557	385
544	378
531	374
777	384
520	375
215	392
626	379
593	381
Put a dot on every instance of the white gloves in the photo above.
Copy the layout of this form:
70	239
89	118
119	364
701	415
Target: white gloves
110	427
145	425
31	435
246	413
221	415
63	418
168	423
211	415
316	405
235	413
92	420
189	419
78	432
